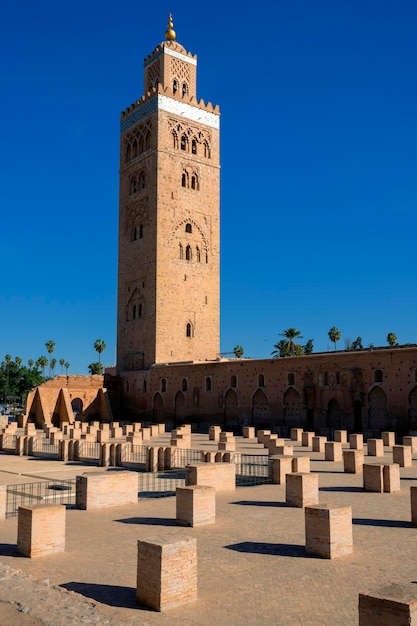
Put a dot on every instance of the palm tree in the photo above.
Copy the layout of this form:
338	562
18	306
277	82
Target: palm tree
392	339
50	346
238	351
53	365
67	366
287	346
42	362
31	363
62	363
18	361
99	346
334	335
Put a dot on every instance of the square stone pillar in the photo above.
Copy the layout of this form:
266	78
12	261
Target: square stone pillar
402	455
328	530
340	436
393	605
281	466
302	489
275	446
353	461
333	451
166	573
196	505
221	476
373	478
413	500
283	450
146	434
154	430
296	434
41	529
104	489
3	502
263	435
301	464
410	441
307	439
388	438
375	447
356	441
392	482
228	444
249	432
318	443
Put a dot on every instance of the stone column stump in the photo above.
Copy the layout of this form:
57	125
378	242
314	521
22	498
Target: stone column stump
166	573
221	476
388	438
328	530
410	441
281	466
249	432
402	455
393	605
296	434
375	447
413	502
373	479
318	443
302	489
301	465
195	505
333	451
391	474
340	436
356	441
353	461
307	439
41	529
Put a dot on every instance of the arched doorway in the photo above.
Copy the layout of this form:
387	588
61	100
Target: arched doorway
77	407
231	409
179	407
412	409
377	411
157	408
293	409
357	416
333	414
260	409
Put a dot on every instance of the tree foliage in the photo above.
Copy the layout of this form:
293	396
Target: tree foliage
17	380
334	335
238	351
287	346
96	368
99	347
392	339
308	348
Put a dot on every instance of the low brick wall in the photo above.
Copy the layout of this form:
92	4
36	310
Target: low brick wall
105	489
221	476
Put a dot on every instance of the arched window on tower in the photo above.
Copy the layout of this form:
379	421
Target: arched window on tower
141	145
128	152
378	376
184	89
188	228
184	384
233	382
188	253
184	142
206	150
175	140
135	234
140	310
261	380
175	85
142	181
194	147
134	312
194	182
181	251
148	140
133	185
206	256
208	383
198	254
188	330
141	231
135	149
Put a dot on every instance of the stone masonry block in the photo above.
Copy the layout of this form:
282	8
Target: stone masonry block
249	432
284	450
410	441
318	443
392	483
296	434
356	441
402	455
333	451
340	436
105	489
221	476
302	489
196	505
166	573
375	447
301	464
281	466
388	438
41	530
353	461
373	478
307	439
328	530
214	433
393	605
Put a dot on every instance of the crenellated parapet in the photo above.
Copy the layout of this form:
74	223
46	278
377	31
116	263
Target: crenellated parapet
168	92
172	45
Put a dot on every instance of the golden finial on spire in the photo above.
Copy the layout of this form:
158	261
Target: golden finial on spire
170	33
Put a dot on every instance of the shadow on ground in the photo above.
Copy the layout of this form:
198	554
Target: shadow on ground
112	595
274	549
149	521
351	489
259	503
387	523
9	549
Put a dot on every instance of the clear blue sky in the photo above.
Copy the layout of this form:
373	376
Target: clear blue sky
318	108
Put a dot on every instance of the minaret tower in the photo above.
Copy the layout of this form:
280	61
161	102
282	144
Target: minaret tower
169	217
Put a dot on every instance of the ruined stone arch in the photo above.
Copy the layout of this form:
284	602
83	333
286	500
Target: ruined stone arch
179	405
157	407
260	408
377	409
293	408
333	414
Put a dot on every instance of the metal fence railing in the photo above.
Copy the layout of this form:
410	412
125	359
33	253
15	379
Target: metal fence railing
44	492
45	447
89	451
252	470
161	484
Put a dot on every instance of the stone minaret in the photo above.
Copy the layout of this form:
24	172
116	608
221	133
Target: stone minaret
169	214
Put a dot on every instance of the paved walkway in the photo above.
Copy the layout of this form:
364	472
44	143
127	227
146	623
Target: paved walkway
252	568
